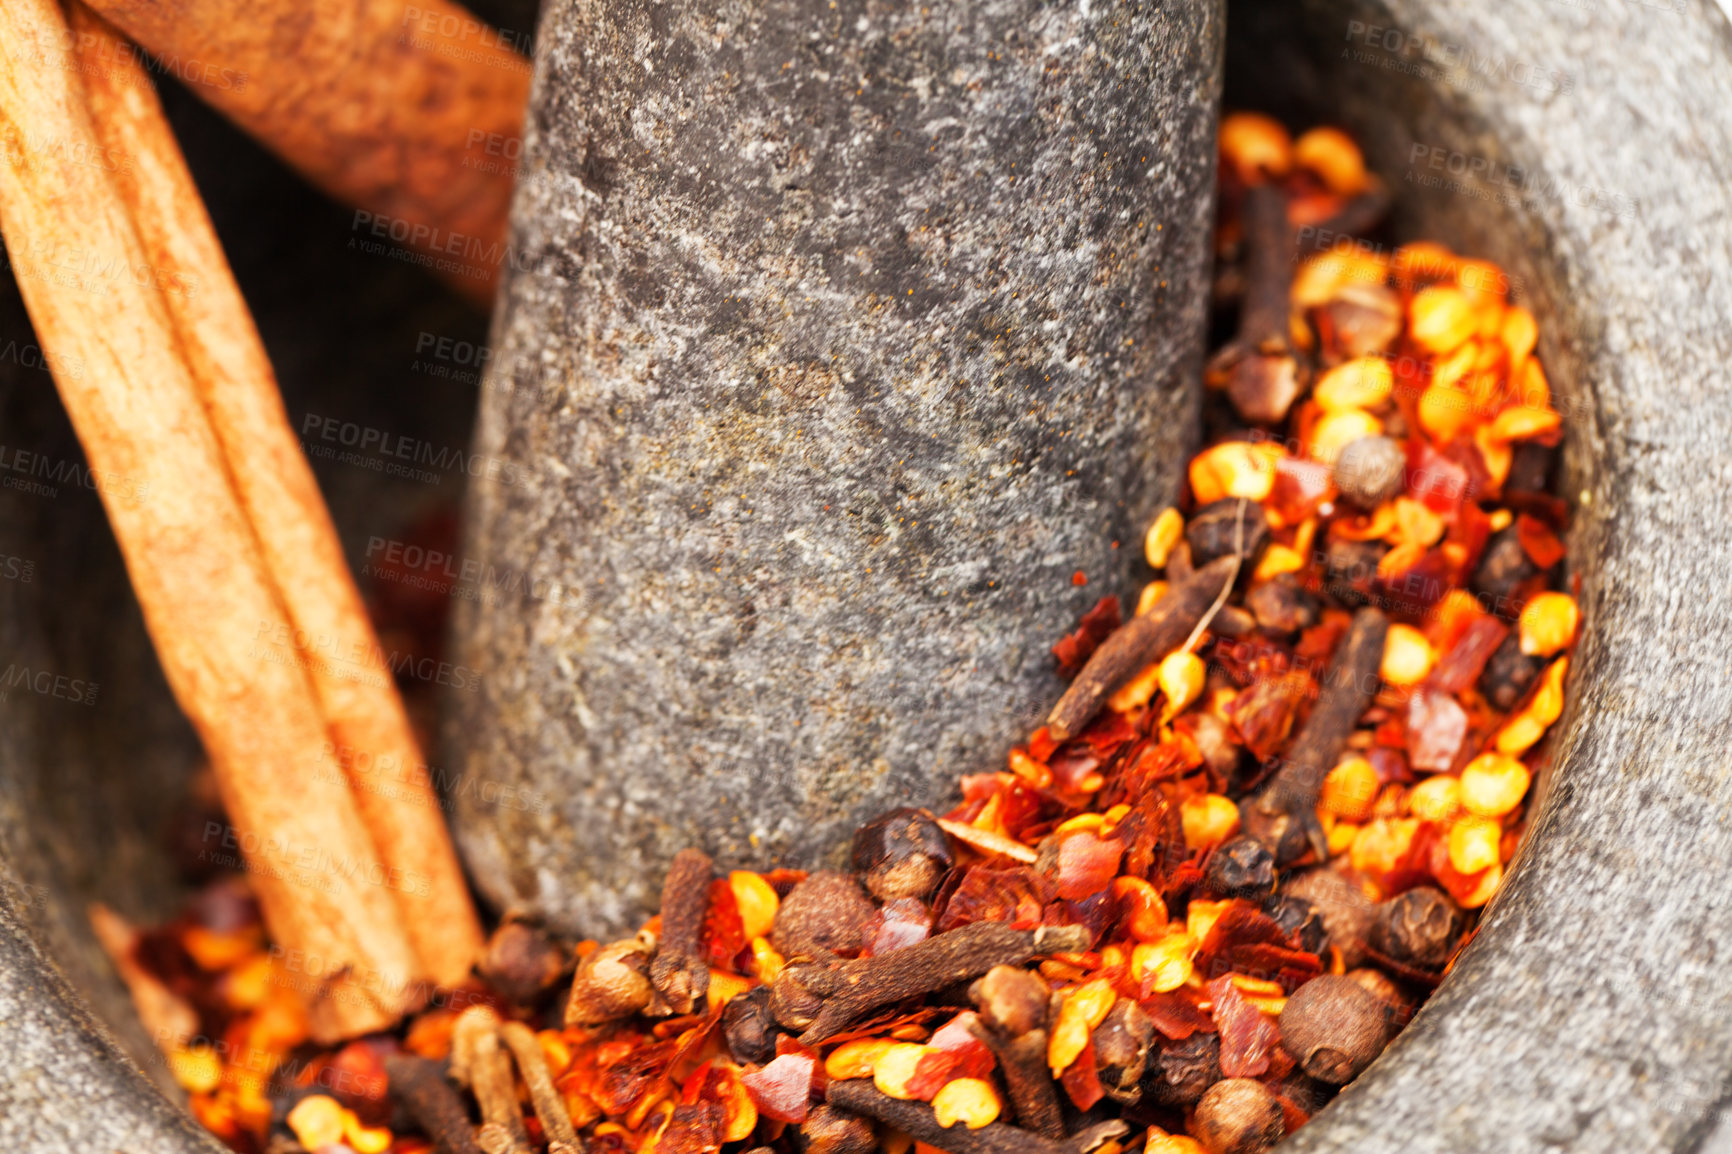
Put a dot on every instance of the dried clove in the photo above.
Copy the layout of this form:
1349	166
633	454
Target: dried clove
1011	1000
1284	815
902	854
1350	569
1027	1078
1508	673
1241	868
1417	928
826	913
522	962
833	1130
1121	1045
1261	371
544	1096
678	971
749	1027
1299	920
1179	1072
916	1119
610	984
1334	1027
848	990
1216	528
479	1063
1504	567
1239	1116
420	1087
1143	639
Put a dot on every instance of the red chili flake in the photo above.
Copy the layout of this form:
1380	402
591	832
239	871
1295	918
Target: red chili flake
724	934
973	1059
1081	1081
1300	488
1435	480
1461	666
1016	896
1264	713
1176	1015
1079	578
1390	764
1247	1034
1436	728
1538	541
1041	744
356	1078
931	1072
783	1089
693	1128
1087	865
1074	650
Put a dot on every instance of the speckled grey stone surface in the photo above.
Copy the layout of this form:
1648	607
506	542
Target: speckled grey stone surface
841	336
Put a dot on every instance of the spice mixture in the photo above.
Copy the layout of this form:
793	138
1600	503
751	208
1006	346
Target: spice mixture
1251	837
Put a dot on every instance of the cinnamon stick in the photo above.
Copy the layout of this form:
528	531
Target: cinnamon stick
1283	816
189	549
331	633
1144	638
411	110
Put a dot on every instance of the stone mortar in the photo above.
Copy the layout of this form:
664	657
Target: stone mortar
1590	1013
838	338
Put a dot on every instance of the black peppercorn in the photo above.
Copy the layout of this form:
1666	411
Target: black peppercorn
1241	868
1508	673
522	962
1371	470
825	913
1417	928
1239	1116
1212	530
1530	468
1298	919
902	854
749	1029
1178	1072
1334	1027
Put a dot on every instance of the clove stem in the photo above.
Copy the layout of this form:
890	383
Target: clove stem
1022	1061
679	972
543	1094
420	1086
1143	639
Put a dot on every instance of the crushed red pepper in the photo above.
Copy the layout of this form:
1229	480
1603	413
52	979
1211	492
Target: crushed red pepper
1131	907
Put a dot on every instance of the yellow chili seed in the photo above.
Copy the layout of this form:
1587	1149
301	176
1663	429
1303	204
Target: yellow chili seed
757	902
1444	412
1029	769
366	1139
1181	676
1165	963
1208	820
1382	845
1492	785
1339	429
1332	155
1164	532
1135	693
1349	790
971	1101
1278	559
1543	708
1473	844
894	1068
1159	1143
1483	891
856	1059
1362	383
725	987
1256	146
1234	469
1407	656
1152	592
317	1121
1437	799
1081	1009
1521	423
1548	624
1200	917
196	1069
766	959
1341	837
1440	318
1143	912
